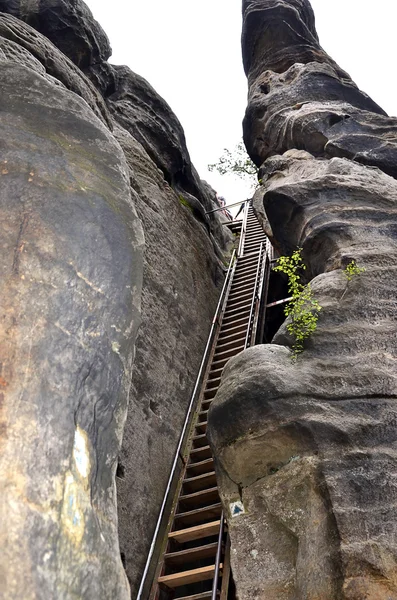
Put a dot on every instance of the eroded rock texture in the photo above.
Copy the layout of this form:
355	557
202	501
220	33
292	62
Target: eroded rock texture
71	260
310	446
84	164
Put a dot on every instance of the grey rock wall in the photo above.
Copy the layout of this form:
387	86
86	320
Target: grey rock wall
71	262
103	228
309	446
181	280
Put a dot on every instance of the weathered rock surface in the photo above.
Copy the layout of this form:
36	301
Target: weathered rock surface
137	107
83	150
309	446
71	261
21	43
68	24
299	98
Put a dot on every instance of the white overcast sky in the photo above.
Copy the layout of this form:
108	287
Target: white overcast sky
189	51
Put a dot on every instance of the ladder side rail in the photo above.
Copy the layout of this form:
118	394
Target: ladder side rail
259	296
240	251
218	558
217	320
214	327
254	297
262	307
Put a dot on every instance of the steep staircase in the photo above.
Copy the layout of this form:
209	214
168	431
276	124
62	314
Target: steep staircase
195	562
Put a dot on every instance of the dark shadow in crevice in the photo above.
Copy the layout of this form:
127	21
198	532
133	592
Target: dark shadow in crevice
275	317
120	471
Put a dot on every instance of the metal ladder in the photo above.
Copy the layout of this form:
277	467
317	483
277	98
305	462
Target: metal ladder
195	560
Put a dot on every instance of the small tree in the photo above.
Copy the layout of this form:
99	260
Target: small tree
236	162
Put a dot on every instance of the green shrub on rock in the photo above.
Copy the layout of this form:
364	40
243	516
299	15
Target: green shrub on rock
303	308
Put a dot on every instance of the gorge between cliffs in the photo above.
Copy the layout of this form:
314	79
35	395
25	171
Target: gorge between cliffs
112	263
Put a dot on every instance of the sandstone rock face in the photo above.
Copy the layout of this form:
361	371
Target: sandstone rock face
82	154
71	260
309	446
21	43
68	24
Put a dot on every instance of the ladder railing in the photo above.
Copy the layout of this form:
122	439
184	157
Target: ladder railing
197	516
218	558
214	326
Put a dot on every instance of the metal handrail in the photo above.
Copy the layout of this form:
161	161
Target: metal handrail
215	324
218	558
226	206
254	297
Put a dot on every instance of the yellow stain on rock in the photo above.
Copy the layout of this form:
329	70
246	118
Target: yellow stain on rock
80	452
76	497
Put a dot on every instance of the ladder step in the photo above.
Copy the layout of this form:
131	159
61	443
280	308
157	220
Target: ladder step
206	403
240	295
188	577
221	347
195	533
193	517
250	245
203	498
245	271
245	277
199	468
209	394
200	482
215	373
229	353
184	557
238	335
214	382
238	291
200	454
234	315
255	242
233	329
222	362
201	427
249	262
199	441
237	322
255	235
211	391
203	415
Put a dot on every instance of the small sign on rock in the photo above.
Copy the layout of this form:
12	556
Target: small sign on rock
236	508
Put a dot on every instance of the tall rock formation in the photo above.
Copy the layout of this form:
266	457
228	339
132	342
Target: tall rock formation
103	228
309	445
